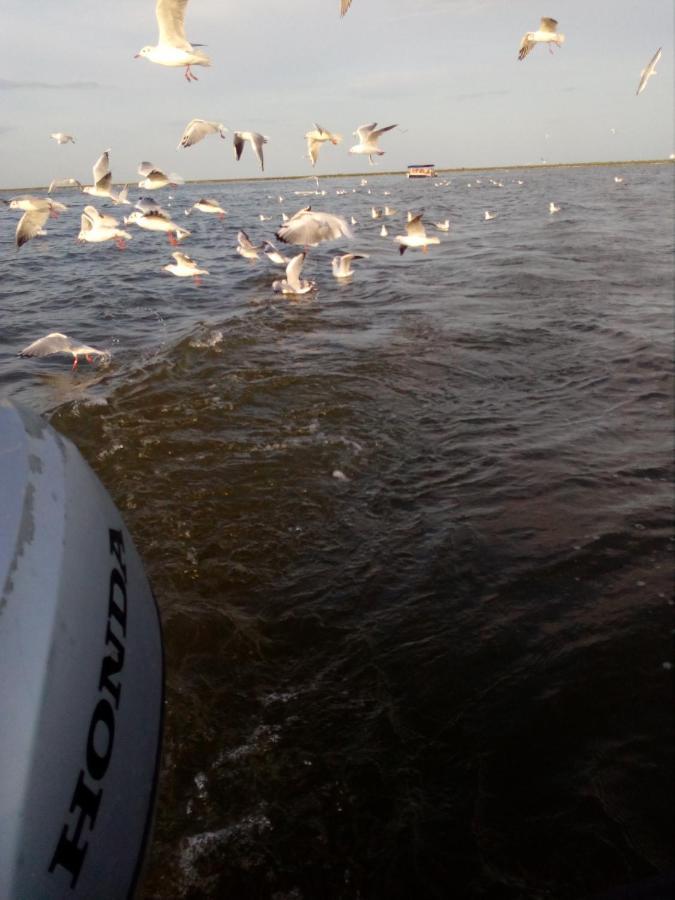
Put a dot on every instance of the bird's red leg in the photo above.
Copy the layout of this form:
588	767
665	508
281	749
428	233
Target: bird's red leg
197	280
120	243
75	363
90	359
172	239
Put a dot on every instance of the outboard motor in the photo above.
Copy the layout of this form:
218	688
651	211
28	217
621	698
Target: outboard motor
81	676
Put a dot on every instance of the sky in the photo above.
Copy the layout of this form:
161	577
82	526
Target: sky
446	71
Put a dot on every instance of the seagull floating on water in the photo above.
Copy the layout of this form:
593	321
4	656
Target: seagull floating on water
61	343
443	226
173	48
489	215
198	129
552	208
545	34
648	71
383	231
368	138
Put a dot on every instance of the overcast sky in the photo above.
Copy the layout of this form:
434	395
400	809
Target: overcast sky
445	70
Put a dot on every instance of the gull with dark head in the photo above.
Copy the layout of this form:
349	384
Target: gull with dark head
61	343
368	136
318	137
293	283
198	129
415	237
342	265
173	48
545	34
62	138
257	141
185	267
648	71
309	228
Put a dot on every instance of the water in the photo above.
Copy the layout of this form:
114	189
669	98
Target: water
411	537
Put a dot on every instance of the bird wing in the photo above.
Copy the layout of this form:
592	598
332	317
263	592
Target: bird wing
171	22
184	260
525	45
648	71
415	226
547	24
238	142
257	140
363	131
245	241
313	147
105	183
101	166
374	135
344	6
51	343
88	218
293	270
30	224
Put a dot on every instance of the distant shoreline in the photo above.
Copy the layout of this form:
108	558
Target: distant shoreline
397	172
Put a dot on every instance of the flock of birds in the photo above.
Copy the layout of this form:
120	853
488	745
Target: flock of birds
306	228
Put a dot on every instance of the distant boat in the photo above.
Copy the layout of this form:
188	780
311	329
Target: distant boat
427	170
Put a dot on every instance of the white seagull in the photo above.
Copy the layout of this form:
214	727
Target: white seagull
344	6
316	138
31	224
94	230
368	138
63	182
173	48
545	34
293	284
102	177
489	215
443	226
648	71
207	205
310	228
198	129
61	343
257	141
61	138
185	267
245	247
154	178
157	220
383	231
342	265
415	236
273	254
552	208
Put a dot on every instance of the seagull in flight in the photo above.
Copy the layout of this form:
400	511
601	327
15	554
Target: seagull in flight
293	283
173	48
368	137
62	138
257	141
545	34
415	236
185	267
61	343
344	6
198	129
648	71
316	138
102	177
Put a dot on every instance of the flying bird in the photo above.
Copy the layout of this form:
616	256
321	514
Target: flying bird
102	177
61	343
648	71
309	228
545	34
552	208
198	129
257	141
344	6
207	205
63	182
95	228
415	236
62	138
316	138
342	265
489	215
173	48
185	267
154	178
368	138
157	220
273	254
245	247
293	283
31	224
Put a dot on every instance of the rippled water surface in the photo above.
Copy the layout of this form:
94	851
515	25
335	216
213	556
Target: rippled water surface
411	536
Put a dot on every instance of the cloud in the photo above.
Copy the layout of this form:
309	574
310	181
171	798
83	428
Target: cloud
7	85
